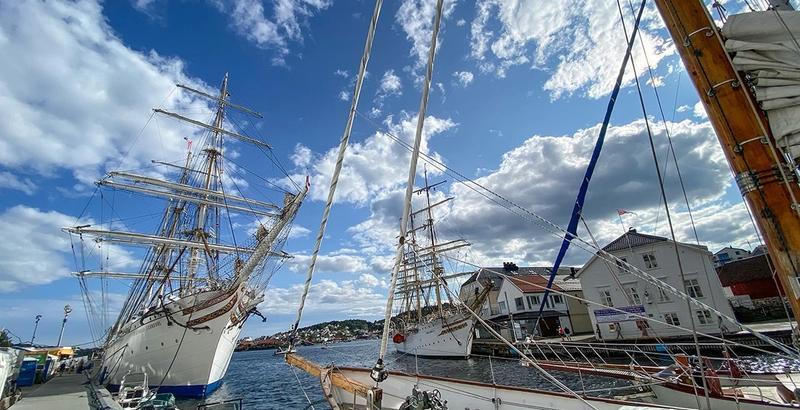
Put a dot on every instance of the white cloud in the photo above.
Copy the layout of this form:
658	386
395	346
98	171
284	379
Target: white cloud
375	164
371	280
543	174
390	85
463	78
335	299
579	44
11	181
344	96
143	5
299	231
330	263
683	108
657	81
37	252
341	73
99	93
461	22
699	110
416	19
250	20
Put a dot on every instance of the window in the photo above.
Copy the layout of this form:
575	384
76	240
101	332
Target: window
633	294
520	304
534	302
621	265
693	288
503	307
649	261
484	312
557	299
605	298
663	296
672	319
704	317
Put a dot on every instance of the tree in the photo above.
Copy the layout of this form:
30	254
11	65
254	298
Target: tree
4	340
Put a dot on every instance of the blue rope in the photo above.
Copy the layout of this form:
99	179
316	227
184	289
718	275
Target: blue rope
578	207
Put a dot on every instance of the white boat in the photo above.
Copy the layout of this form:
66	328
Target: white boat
351	387
194	291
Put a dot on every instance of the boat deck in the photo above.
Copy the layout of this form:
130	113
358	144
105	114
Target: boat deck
61	392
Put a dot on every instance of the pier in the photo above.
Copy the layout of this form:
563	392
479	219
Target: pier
65	392
551	347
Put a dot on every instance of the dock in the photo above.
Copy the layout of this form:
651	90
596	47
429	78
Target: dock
67	392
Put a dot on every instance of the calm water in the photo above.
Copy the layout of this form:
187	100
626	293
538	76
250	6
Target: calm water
265	381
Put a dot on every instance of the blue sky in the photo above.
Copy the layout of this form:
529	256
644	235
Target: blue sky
519	89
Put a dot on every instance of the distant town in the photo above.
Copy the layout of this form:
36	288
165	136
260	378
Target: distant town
326	332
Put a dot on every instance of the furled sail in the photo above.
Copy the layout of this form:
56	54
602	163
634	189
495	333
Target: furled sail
765	46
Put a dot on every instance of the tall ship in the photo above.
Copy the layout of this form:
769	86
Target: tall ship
204	265
430	322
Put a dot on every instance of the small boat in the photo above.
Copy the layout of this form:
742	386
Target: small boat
283	352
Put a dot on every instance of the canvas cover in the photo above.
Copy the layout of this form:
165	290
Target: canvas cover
765	46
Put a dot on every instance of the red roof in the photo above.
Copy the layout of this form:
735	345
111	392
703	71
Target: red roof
532	283
744	270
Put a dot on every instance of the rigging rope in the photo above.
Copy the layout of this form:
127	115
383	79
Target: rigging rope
379	374
572	227
668	215
362	70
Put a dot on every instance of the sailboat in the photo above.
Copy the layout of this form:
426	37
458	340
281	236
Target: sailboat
443	329
767	181
194	290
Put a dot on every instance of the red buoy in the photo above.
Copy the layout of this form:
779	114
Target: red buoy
398	338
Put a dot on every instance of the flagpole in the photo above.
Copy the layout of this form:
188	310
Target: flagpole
621	221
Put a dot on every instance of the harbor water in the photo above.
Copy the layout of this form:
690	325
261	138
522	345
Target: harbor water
264	381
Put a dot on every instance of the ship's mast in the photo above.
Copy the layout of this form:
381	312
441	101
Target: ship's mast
213	152
435	265
767	183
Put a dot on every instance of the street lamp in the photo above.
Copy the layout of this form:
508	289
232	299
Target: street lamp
67	310
35	326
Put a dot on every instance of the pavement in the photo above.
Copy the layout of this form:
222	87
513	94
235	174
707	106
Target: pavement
65	392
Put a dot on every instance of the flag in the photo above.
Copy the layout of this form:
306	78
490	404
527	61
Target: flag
188	143
621	212
308	182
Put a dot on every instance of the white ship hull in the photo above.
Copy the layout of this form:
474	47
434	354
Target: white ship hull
186	361
463	394
449	337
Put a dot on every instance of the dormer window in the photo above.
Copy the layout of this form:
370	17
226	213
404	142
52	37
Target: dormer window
649	261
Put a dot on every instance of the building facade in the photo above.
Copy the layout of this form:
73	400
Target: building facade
610	284
517	295
729	254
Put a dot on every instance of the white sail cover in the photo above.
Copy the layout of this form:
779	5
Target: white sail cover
764	45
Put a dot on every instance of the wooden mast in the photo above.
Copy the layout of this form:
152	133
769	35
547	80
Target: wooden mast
767	183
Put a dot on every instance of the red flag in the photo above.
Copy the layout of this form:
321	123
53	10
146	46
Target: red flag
621	212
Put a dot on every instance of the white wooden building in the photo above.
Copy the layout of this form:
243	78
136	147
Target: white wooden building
611	285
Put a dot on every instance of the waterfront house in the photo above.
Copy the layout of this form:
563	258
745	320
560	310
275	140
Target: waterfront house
729	254
516	295
611	284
